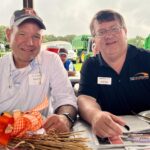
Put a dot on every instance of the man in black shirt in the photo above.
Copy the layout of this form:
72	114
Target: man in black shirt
116	81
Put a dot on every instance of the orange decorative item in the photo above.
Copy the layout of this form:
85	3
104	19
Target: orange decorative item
29	121
21	122
6	122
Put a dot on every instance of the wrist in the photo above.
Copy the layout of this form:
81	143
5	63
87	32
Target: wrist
70	119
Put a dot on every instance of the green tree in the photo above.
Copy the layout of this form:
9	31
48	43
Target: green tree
60	38
48	38
2	34
69	38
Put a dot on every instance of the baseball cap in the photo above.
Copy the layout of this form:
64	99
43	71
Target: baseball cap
19	16
63	51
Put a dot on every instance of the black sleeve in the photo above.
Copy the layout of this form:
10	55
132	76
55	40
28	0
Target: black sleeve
88	81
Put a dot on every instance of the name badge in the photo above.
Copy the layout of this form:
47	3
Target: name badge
35	79
104	80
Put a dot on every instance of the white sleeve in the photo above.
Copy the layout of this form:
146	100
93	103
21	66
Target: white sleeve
62	90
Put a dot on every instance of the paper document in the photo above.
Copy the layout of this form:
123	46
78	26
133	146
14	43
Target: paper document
135	123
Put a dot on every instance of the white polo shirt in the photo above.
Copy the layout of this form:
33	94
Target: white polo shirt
25	88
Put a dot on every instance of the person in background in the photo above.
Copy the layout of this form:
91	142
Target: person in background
29	75
115	82
68	64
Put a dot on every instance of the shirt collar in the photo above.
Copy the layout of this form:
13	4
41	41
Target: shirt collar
35	62
131	53
101	60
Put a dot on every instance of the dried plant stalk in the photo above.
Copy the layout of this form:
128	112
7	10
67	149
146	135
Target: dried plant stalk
51	141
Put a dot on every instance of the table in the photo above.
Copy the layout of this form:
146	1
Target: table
82	126
93	143
75	79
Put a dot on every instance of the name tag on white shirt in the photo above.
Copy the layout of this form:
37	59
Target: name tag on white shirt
35	79
104	80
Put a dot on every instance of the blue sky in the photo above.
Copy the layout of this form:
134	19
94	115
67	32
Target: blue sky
63	17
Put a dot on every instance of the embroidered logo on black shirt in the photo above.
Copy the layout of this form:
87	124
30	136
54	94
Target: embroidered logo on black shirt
140	76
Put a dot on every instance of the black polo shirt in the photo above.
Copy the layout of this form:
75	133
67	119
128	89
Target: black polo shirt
118	93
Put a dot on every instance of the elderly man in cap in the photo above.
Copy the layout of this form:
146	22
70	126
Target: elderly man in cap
29	75
68	64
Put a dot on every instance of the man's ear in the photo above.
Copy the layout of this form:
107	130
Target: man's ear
8	34
125	29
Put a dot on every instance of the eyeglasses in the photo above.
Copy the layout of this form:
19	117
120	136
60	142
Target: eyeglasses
113	30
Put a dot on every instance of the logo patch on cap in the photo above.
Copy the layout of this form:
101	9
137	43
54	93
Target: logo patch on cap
30	11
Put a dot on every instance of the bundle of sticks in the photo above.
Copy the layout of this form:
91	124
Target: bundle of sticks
50	141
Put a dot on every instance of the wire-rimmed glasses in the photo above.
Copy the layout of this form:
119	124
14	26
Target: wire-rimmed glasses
104	32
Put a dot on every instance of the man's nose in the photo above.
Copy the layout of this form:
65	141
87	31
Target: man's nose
29	41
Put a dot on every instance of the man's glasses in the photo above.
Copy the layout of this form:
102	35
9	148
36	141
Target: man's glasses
113	30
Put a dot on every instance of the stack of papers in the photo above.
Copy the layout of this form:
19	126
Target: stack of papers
132	140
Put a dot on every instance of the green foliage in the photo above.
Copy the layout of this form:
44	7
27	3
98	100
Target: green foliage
48	38
2	34
138	41
69	37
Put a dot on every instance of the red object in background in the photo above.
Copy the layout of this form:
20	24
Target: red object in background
53	49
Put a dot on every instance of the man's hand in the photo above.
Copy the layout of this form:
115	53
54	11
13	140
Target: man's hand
60	123
105	124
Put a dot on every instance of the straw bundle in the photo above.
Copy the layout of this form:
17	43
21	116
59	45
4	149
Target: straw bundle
50	141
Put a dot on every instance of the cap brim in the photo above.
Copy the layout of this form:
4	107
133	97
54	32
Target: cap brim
61	53
39	22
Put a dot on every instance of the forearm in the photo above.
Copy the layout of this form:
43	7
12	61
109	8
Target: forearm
104	124
88	107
